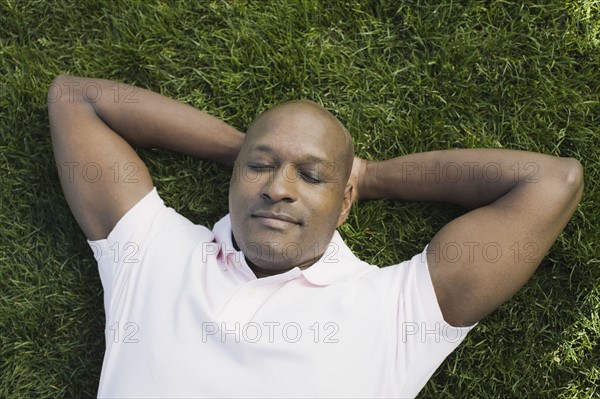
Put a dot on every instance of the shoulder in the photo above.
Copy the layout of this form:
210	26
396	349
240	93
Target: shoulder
149	220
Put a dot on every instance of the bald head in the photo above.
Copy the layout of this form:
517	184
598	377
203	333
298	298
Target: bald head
312	116
290	186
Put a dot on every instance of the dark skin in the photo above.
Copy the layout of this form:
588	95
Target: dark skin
285	198
519	201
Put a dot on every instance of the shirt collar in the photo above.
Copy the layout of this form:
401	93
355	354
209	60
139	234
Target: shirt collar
337	263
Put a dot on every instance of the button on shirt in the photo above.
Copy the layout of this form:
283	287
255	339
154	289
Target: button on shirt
187	317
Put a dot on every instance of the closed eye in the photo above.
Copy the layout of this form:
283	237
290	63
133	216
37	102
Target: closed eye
260	166
309	178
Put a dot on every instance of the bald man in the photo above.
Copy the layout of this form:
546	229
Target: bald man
315	153
271	302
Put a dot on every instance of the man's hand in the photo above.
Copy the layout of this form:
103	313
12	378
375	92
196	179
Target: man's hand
359	168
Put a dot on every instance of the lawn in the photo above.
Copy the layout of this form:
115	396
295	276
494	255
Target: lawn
403	76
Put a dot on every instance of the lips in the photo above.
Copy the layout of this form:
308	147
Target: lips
275	217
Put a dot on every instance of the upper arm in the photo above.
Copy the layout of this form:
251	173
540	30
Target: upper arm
479	260
100	173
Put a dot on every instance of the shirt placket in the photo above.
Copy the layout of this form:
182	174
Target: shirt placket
247	300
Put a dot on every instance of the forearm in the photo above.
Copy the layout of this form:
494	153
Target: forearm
467	177
147	119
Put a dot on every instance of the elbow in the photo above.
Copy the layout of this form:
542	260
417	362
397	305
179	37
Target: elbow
573	174
572	179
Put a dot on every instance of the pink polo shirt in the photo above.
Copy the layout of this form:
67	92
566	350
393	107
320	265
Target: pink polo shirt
186	317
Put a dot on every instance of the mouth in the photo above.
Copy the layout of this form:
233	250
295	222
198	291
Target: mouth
277	221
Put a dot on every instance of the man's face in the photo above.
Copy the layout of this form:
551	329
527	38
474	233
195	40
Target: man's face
288	188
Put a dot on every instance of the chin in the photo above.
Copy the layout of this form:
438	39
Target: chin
269	257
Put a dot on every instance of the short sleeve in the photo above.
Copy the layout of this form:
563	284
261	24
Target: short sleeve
123	244
420	300
423	338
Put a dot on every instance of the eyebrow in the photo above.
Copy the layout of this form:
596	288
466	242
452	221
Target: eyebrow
306	159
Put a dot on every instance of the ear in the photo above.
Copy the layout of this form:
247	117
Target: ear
346	205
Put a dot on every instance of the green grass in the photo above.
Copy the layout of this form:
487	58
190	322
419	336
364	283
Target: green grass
404	76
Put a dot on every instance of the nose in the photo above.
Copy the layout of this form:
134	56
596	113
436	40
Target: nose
281	185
